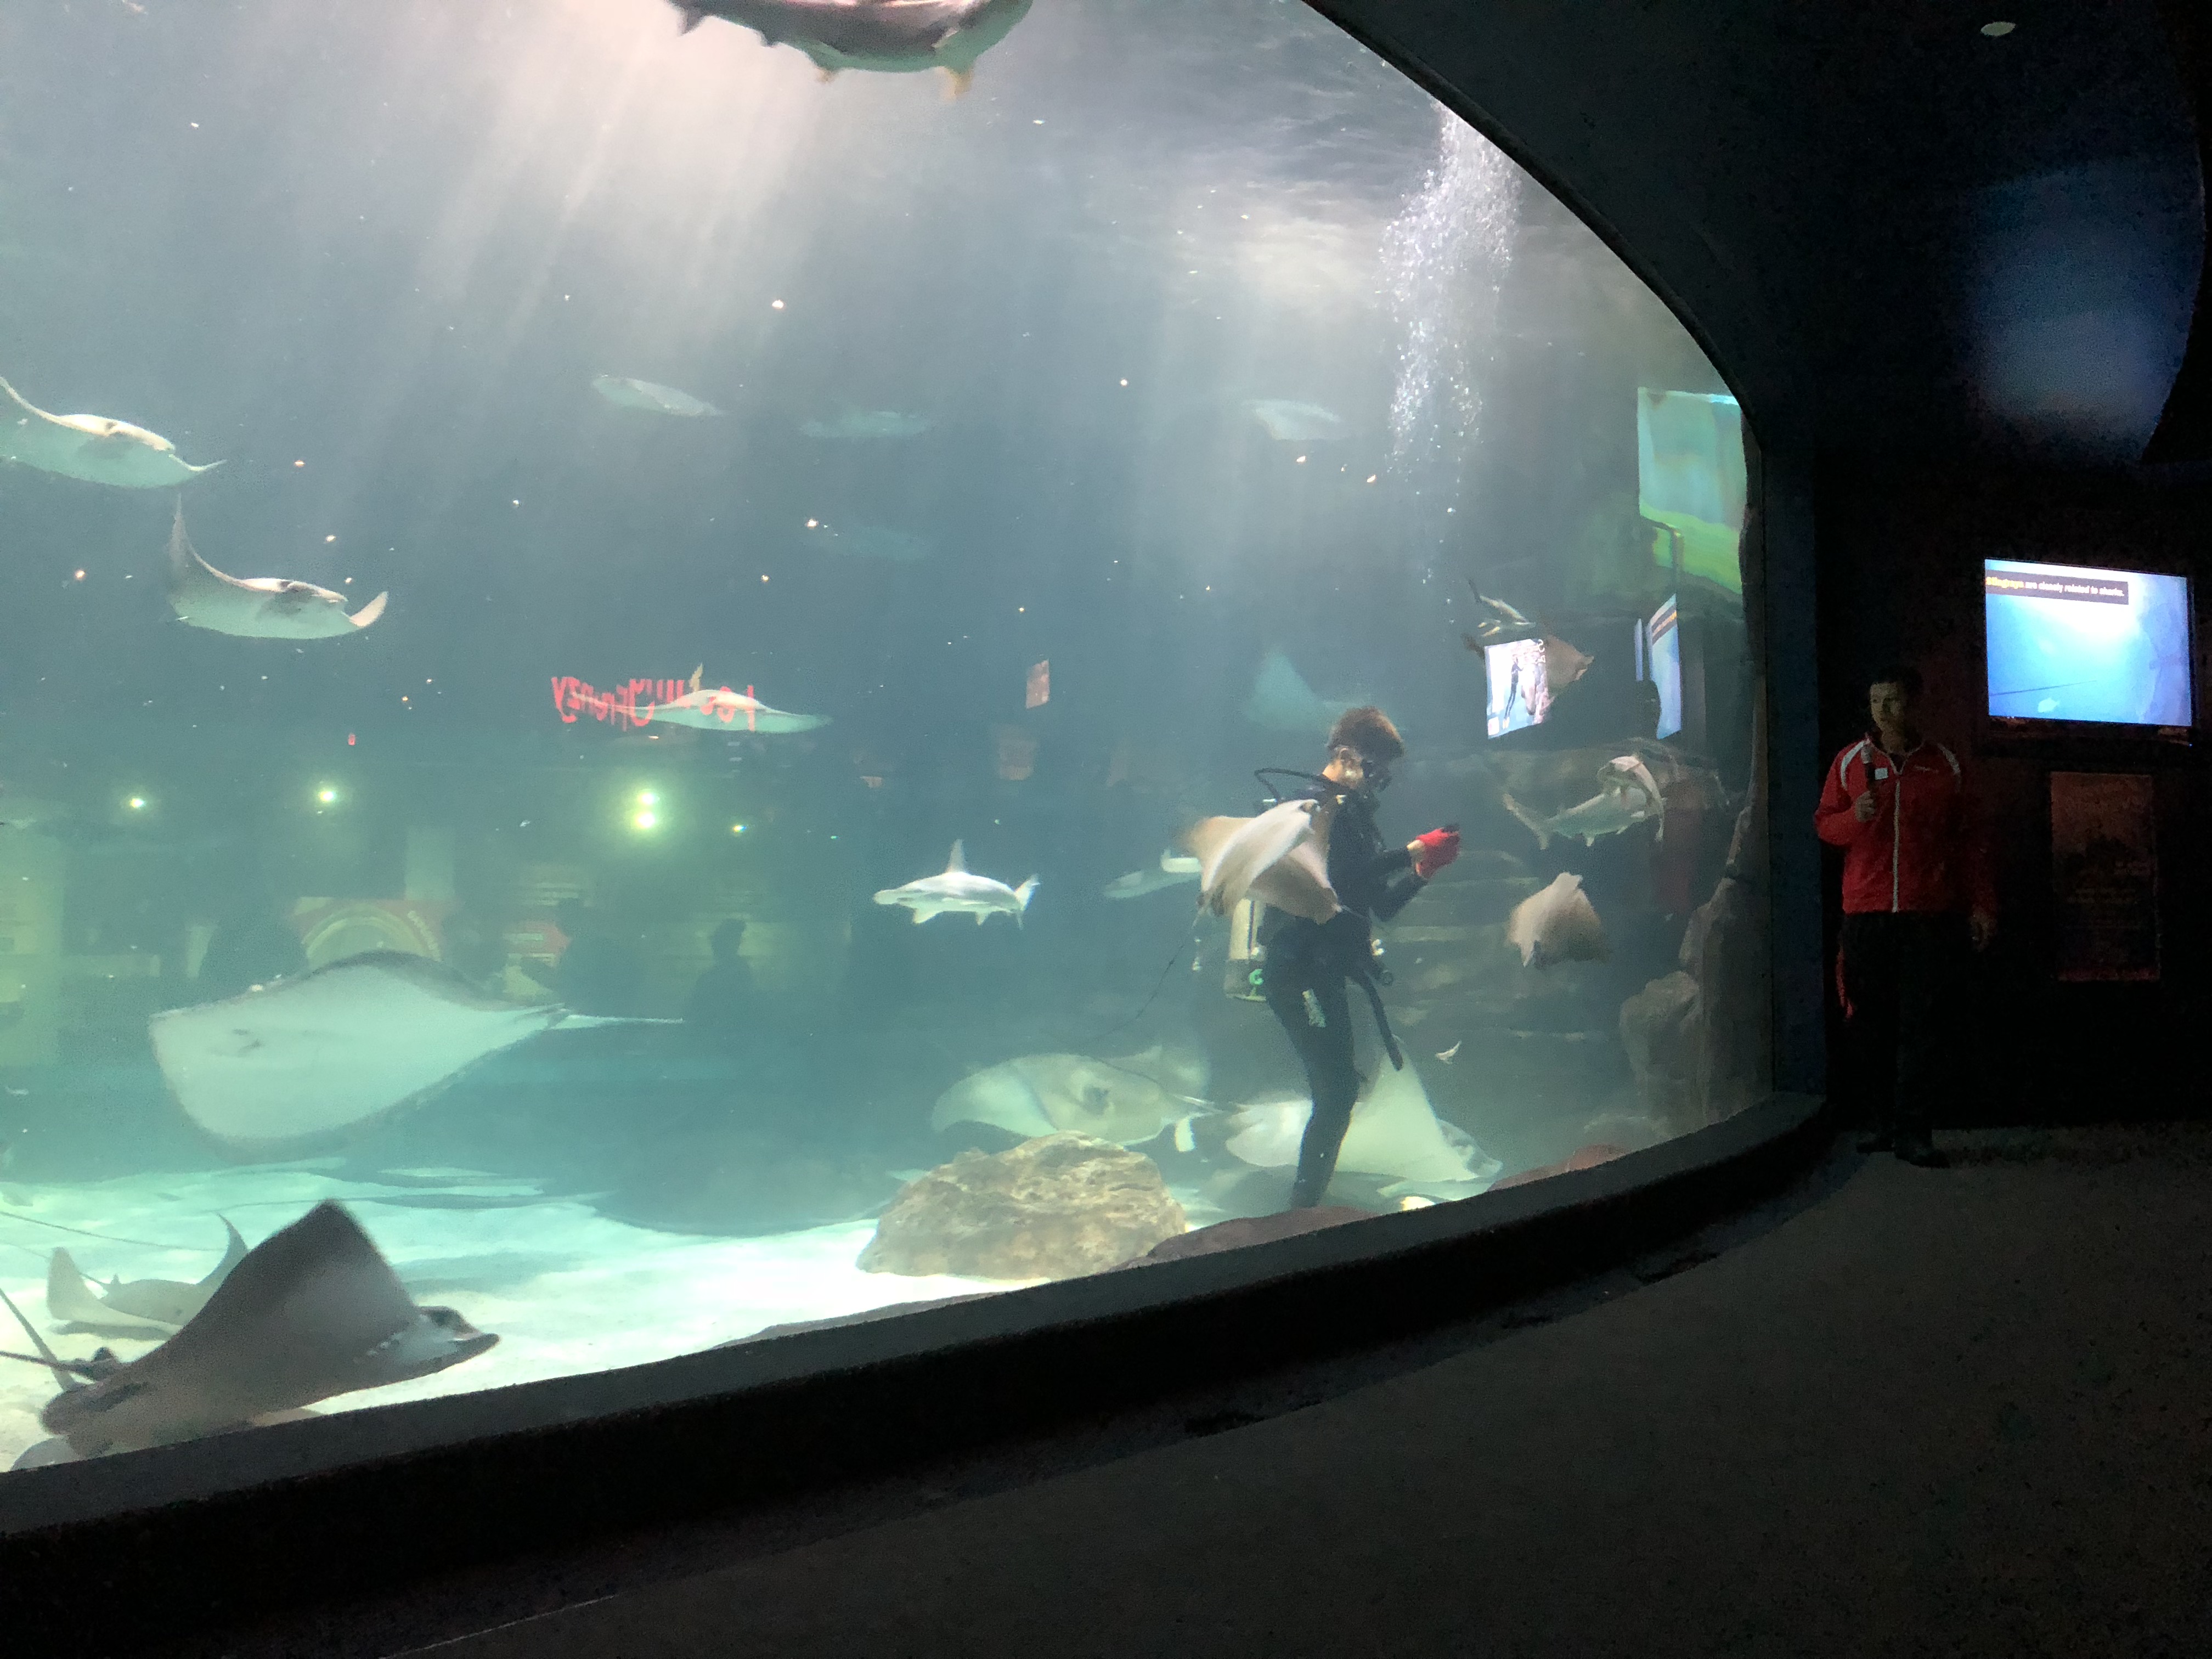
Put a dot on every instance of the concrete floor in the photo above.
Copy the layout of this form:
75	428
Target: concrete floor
1962	1412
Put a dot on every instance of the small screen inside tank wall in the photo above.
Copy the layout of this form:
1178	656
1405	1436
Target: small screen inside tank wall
1664	656
1520	691
2070	643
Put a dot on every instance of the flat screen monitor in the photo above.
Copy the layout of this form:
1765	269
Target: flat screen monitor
1520	693
2066	643
1662	657
1690	478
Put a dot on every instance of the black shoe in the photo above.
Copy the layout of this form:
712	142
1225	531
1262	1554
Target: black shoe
1922	1153
1875	1140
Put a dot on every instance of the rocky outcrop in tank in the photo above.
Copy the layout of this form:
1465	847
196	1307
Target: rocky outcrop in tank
1054	1207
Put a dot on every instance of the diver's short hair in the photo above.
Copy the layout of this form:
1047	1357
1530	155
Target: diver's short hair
1902	675
1370	732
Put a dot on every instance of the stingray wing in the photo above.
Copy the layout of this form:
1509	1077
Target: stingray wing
1298	881
1228	864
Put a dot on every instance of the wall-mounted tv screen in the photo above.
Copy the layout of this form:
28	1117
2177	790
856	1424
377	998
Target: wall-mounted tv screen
1662	656
2070	643
1520	693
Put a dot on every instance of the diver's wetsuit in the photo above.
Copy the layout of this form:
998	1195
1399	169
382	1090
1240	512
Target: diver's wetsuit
1373	882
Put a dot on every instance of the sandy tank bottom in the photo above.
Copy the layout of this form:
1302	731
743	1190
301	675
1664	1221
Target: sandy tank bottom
567	1290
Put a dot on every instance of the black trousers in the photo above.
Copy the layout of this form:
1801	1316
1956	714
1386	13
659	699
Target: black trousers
1326	1051
1902	973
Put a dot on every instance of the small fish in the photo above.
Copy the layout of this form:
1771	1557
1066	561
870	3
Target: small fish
861	423
256	607
1558	924
1500	622
1173	872
1627	795
1449	1054
91	447
626	394
957	892
886	36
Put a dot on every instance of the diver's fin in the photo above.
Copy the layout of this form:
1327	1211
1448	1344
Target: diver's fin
957	864
1534	828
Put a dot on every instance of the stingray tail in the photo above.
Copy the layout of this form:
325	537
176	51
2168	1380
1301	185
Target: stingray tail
1534	825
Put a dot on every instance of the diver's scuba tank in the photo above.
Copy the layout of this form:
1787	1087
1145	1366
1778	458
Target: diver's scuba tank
1243	977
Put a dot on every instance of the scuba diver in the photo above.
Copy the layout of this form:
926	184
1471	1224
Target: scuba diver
1306	965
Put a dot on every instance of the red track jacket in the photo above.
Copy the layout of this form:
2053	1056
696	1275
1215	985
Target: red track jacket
1923	850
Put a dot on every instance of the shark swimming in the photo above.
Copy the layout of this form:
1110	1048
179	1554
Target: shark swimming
718	708
1173	872
1281	857
624	392
137	1307
256	607
887	36
296	1064
91	447
958	893
1627	795
311	1311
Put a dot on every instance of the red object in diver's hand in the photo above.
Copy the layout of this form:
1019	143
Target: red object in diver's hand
1437	848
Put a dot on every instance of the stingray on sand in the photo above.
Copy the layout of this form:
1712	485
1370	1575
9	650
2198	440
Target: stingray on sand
136	1307
280	1069
93	447
310	1312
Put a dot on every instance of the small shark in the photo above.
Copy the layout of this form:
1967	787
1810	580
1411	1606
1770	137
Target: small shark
889	36
961	893
721	709
625	393
91	447
1500	622
138	1307
1627	795
311	1311
1173	873
257	607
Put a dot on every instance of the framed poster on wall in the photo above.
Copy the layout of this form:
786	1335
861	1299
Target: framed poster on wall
2104	873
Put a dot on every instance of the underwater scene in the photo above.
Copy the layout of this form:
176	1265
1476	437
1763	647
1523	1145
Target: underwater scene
675	670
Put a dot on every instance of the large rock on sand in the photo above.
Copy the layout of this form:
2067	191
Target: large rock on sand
1054	1207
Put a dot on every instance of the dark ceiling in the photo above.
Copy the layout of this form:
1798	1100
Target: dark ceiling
1893	231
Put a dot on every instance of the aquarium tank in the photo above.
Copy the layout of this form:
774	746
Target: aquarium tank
661	687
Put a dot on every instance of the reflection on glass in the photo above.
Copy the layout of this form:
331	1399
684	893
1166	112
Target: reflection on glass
1068	453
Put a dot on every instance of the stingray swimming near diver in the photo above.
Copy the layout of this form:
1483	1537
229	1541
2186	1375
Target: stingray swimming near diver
887	36
300	1062
311	1311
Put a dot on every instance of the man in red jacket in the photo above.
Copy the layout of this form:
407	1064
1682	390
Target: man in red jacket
1916	891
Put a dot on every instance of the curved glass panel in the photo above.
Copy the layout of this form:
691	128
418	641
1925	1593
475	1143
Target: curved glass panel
666	774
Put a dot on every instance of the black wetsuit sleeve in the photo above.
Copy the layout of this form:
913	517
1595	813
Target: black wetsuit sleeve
1395	883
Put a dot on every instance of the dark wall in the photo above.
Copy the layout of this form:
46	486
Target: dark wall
1900	565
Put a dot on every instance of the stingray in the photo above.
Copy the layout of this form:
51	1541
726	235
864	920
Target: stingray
311	1311
137	1307
1281	857
625	393
1281	700
1129	1101
888	36
1294	422
718	708
256	607
91	447
1394	1131
1558	924
283	1068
